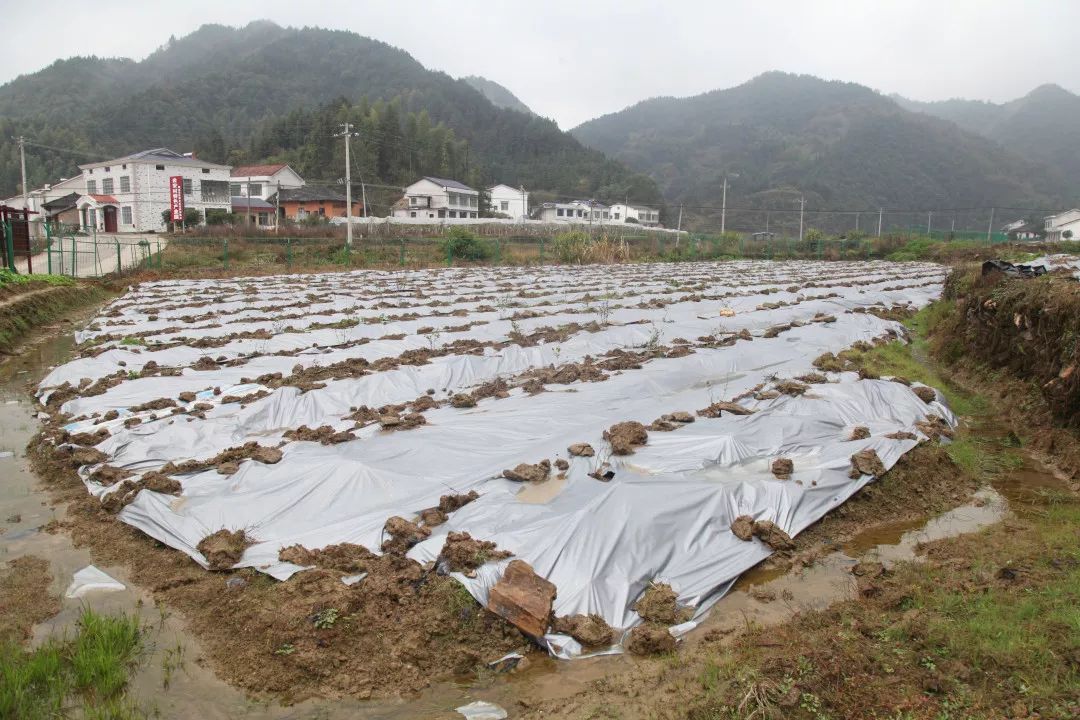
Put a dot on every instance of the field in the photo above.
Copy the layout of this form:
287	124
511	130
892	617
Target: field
255	423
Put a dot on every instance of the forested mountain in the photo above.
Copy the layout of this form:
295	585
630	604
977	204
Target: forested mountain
264	93
497	94
842	145
1044	125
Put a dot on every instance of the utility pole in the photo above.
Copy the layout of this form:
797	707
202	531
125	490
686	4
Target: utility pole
802	210
25	190
277	207
524	204
990	229
857	221
723	206
929	215
346	132
679	228
880	215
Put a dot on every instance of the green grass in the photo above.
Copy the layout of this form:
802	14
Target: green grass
9	278
89	671
908	360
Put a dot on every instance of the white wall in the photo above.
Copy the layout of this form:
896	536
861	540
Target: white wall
517	203
268	184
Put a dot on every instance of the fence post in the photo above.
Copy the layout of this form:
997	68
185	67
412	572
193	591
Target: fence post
225	254
48	252
119	264
498	251
97	260
74	258
401	253
449	253
541	251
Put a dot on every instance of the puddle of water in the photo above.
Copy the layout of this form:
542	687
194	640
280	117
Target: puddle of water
541	492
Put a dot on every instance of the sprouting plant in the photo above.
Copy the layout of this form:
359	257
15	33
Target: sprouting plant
515	328
384	318
433	338
503	303
171	660
653	343
285	649
325	619
277	327
558	353
603	311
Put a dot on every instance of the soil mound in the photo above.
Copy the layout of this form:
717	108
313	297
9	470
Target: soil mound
860	432
625	436
782	468
581	450
770	533
589	630
224	548
658	604
524	472
743	527
649	640
403	535
344	557
462	553
866	462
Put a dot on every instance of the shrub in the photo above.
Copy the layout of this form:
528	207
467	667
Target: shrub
572	247
217	216
464	245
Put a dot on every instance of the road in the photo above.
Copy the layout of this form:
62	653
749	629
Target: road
89	256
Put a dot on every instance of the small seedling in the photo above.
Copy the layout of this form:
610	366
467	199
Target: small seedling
325	619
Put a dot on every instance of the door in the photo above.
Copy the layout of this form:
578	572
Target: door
110	219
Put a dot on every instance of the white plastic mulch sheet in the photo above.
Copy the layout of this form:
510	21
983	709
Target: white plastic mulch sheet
1067	263
664	516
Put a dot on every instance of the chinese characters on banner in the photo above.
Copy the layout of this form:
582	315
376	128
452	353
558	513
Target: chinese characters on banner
176	197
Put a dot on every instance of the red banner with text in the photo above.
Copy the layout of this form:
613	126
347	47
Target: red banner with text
176	197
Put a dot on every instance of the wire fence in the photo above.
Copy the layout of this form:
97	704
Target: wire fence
66	252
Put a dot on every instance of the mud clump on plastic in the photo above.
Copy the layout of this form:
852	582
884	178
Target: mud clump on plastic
926	394
770	533
659	604
524	472
860	432
344	557
581	450
589	630
625	436
782	468
743	527
462	552
403	535
866	462
224	548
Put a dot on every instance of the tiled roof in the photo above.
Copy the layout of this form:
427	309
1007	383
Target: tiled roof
244	203
257	170
443	182
106	199
310	193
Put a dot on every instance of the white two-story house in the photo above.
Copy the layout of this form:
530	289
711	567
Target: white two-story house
262	181
621	212
1063	226
440	199
509	201
130	194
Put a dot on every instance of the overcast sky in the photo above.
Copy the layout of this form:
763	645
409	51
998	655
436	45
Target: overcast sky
573	60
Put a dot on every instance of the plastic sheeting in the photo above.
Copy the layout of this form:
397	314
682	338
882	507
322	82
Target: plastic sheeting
91	579
664	517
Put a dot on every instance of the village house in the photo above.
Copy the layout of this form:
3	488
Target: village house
38	200
131	194
1063	226
509	201
438	198
299	204
262	181
581	211
621	212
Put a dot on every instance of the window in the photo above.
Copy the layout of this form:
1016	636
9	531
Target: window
91	187
234	189
107	186
107	168
504	205
322	211
206	171
124	166
472	215
264	218
474	201
559	212
442	213
214	191
254	189
125	215
453	213
188	190
412	213
159	167
125	183
616	216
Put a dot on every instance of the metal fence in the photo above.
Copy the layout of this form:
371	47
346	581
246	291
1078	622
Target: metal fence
67	252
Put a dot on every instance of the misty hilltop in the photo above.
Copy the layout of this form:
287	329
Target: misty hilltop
497	94
264	92
840	144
